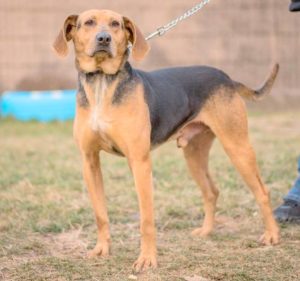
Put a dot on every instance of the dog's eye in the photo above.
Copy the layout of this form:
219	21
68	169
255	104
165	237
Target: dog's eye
115	23
89	22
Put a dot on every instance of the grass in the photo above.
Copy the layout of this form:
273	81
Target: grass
47	224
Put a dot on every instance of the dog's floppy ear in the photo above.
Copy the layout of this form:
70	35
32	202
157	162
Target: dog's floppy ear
140	47
60	44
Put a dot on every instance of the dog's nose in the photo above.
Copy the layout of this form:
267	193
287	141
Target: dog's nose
103	38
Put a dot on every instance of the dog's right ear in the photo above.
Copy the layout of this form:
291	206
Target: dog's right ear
60	44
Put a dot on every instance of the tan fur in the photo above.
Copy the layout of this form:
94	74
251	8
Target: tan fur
228	122
126	127
263	90
60	44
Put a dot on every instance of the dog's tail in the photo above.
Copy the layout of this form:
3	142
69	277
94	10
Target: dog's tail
263	90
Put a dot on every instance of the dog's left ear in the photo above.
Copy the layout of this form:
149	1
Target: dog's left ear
60	44
140	46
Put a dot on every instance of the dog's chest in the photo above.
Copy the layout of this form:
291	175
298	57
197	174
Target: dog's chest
100	119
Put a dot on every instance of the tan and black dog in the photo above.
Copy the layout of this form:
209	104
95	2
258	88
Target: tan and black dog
129	112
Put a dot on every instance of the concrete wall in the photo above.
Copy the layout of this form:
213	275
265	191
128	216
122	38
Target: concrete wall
241	37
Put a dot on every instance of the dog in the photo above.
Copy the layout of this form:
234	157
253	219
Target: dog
129	112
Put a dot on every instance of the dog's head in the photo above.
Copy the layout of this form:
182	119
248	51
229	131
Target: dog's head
101	39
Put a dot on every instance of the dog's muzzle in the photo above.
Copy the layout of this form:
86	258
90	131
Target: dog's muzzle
103	42
103	38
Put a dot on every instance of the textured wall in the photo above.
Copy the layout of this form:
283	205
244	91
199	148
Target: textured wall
241	37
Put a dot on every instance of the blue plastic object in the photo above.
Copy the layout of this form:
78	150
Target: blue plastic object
43	106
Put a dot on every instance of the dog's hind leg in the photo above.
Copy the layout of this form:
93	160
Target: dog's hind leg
196	154
227	118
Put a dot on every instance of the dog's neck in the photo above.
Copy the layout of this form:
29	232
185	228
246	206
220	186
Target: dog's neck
93	86
91	78
98	91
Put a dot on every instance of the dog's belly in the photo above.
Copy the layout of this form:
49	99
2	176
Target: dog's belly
176	95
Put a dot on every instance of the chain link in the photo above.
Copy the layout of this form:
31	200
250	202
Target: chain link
163	29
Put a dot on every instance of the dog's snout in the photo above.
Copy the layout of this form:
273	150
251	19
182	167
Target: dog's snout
103	38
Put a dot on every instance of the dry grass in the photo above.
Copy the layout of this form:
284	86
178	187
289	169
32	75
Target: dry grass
46	221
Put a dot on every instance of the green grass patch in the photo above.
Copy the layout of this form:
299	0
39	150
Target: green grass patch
47	223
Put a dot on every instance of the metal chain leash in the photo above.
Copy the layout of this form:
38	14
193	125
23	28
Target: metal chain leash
163	29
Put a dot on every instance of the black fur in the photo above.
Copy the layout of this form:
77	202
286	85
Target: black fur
127	84
90	77
176	95
81	95
117	151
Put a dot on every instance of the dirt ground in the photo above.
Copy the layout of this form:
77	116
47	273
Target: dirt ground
47	224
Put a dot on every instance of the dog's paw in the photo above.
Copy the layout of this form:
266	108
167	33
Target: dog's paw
144	262
270	238
100	250
201	232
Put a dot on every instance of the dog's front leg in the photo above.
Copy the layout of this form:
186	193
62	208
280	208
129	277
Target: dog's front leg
142	172
93	179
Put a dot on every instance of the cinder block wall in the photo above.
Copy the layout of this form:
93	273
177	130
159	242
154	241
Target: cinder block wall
241	37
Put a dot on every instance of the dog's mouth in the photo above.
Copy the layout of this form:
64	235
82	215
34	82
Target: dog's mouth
102	51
